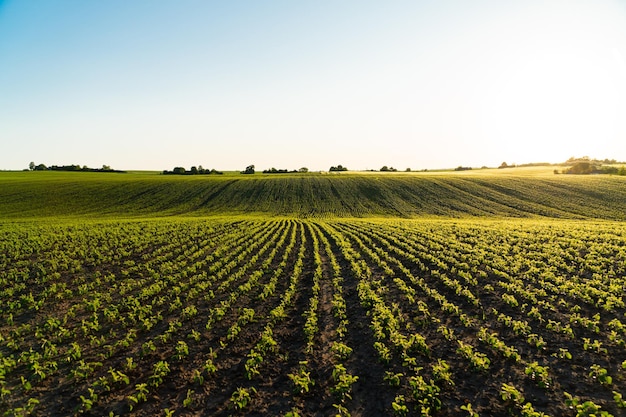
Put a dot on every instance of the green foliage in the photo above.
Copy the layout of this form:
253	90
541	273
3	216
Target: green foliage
600	374
442	373
343	382
341	351
302	381
399	406
426	394
510	394
140	395
188	401
241	397
182	350
160	370
393	379
586	408
539	374
469	410
478	360
619	401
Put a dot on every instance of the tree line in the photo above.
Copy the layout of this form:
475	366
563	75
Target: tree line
250	169
42	167
192	171
285	171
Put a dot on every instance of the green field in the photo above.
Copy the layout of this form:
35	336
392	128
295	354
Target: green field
365	294
518	192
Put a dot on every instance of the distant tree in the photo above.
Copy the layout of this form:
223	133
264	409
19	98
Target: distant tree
408	170
40	167
503	165
303	169
581	168
249	170
385	168
194	171
179	170
31	166
338	168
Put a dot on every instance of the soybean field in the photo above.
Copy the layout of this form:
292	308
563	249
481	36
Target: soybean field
50	195
291	316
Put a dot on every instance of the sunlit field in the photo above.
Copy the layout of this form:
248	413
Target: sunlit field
313	208
363	295
518	192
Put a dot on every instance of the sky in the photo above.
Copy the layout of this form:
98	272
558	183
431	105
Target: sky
155	84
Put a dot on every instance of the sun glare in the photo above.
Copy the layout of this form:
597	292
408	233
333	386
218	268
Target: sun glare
553	90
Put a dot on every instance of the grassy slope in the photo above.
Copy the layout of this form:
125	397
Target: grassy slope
493	193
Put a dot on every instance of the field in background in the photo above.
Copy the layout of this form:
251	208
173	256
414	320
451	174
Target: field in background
150	295
469	193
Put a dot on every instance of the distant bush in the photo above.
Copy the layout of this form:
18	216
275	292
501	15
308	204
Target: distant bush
338	168
385	168
462	168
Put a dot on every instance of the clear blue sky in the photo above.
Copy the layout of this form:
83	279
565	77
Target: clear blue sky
423	84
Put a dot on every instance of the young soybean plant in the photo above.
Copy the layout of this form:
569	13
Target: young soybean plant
601	375
241	397
469	410
302	379
539	374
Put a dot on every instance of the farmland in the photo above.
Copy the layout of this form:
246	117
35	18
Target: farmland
141	295
53	194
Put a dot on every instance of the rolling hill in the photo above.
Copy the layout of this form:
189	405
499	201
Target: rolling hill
511	194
